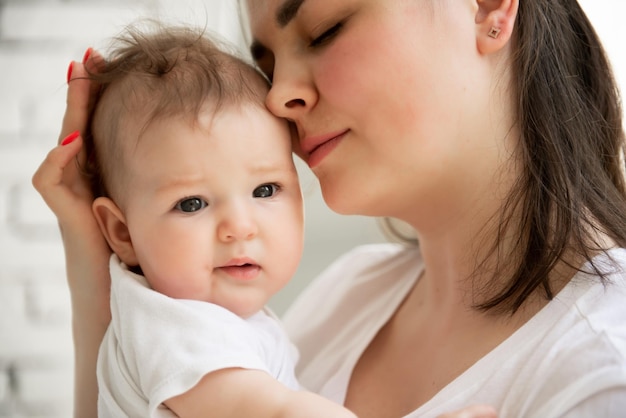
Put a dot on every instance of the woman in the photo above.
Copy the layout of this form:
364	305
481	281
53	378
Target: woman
494	129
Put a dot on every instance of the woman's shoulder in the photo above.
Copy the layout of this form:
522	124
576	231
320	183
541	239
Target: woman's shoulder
376	252
336	315
365	265
583	353
567	360
602	304
599	287
369	262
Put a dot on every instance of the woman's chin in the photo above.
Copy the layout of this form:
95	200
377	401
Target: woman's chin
346	203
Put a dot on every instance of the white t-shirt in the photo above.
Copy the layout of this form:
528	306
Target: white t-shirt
157	347
568	360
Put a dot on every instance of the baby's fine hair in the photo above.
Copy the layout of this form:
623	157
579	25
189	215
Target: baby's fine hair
155	71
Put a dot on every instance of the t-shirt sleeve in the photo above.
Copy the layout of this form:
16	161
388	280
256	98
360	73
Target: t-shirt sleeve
601	393
167	345
608	404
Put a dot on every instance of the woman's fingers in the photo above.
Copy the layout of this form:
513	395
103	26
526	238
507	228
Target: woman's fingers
79	94
69	200
473	411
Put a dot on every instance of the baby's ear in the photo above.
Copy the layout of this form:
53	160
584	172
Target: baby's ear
112	223
495	20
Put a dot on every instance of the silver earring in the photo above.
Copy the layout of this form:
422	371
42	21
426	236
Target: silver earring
494	32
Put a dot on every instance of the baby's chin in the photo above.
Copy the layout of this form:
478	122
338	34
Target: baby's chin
243	307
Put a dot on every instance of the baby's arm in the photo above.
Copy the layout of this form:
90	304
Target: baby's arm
236	393
251	393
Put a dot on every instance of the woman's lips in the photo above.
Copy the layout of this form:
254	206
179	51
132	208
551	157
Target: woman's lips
318	148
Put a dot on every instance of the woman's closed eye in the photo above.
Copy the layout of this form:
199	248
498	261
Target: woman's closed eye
326	36
191	204
264	61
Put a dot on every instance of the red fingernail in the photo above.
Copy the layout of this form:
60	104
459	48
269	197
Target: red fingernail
87	55
69	71
70	138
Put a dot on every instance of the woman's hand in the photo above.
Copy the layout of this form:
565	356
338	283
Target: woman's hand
474	411
59	181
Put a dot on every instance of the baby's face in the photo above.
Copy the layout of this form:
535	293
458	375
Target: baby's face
214	210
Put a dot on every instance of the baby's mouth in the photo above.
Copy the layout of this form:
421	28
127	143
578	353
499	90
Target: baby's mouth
242	271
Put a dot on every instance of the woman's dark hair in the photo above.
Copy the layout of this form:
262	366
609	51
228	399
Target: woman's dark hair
571	149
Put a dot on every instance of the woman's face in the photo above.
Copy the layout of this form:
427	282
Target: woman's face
390	99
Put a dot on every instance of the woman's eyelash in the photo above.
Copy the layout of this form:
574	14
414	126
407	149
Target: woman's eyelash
326	36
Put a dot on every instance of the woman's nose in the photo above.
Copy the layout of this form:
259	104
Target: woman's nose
293	92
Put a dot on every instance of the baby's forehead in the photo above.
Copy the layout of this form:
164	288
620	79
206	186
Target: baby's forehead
200	118
213	121
242	135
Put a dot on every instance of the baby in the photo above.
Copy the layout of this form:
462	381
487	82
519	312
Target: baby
199	199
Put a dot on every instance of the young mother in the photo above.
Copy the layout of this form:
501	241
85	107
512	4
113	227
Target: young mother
492	127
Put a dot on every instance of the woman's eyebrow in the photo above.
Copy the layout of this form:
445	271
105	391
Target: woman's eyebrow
287	12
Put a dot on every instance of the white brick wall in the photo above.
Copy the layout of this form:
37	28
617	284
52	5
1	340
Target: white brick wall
38	38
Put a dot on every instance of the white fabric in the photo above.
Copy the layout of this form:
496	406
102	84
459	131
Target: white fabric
158	347
568	360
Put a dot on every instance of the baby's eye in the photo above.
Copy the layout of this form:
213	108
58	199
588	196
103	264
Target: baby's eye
191	204
265	190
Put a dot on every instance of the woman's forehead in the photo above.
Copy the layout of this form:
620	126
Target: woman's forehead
280	12
258	8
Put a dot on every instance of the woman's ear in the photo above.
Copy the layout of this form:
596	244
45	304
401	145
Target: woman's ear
495	20
112	223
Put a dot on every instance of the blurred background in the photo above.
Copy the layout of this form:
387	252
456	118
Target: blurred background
38	38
